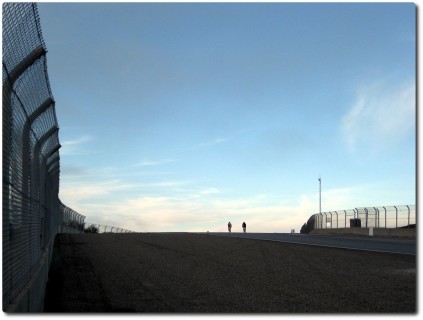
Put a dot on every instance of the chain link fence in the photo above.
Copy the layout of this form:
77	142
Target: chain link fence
32	211
403	216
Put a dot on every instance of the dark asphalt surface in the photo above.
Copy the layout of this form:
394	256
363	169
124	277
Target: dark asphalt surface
405	246
199	273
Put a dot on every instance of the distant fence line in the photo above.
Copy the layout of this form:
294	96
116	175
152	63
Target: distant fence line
99	228
365	217
71	218
32	211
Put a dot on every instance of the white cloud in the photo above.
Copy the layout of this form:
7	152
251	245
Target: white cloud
166	213
212	142
82	190
163	206
77	141
381	115
165	184
145	163
72	147
209	191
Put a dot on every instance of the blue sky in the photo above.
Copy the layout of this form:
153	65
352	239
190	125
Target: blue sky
182	117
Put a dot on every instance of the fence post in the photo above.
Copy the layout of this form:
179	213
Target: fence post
408	216
375	216
367	216
27	168
385	216
396	217
345	214
378	217
33	181
337	225
8	85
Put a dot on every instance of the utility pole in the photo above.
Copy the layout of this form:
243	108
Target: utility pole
320	195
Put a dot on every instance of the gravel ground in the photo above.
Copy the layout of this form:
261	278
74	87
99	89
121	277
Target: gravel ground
182	272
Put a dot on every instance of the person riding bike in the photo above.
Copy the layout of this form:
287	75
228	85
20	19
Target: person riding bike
229	226
244	226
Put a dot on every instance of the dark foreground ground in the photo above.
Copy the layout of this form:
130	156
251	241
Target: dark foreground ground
202	273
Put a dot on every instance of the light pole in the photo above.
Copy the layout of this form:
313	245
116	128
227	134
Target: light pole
320	195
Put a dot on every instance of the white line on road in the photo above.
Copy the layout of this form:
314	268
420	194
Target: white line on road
319	245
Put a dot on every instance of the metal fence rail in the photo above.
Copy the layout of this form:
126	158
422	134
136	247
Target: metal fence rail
99	228
71	218
32	211
366	217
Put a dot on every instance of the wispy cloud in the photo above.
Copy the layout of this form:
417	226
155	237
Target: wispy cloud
72	146
212	142
95	188
202	209
82	193
209	191
166	213
381	115
147	163
165	184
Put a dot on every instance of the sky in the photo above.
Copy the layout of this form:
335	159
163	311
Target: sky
184	116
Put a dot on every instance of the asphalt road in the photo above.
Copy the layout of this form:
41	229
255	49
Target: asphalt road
374	244
186	272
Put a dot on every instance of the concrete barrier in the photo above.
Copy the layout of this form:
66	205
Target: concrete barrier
377	232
